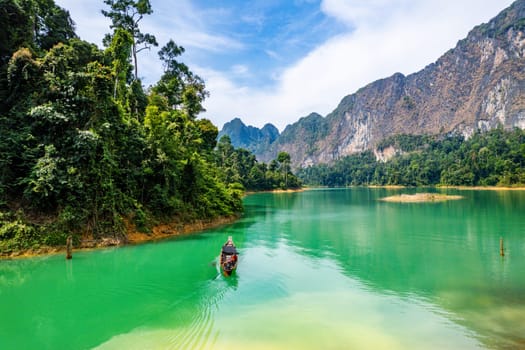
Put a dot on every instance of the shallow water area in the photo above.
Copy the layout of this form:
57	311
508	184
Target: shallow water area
320	269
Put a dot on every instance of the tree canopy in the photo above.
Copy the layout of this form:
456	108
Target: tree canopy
84	148
240	168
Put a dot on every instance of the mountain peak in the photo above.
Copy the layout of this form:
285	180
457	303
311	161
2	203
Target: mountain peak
477	86
249	137
513	17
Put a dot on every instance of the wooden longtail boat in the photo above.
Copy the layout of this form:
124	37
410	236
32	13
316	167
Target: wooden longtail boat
229	257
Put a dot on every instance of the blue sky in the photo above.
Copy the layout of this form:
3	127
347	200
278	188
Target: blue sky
275	61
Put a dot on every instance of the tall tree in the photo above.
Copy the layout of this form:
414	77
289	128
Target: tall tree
126	14
50	24
15	31
285	160
178	84
168	55
119	52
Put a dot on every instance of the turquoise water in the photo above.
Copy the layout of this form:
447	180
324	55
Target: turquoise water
320	269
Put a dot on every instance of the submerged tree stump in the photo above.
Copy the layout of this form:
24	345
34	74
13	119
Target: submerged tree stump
69	247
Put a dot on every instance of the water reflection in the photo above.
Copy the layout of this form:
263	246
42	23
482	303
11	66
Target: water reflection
323	269
446	253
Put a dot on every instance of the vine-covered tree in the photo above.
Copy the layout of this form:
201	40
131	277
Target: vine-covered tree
49	23
178	84
119	51
85	147
32	25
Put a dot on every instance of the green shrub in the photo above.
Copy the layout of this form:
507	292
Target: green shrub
141	220
20	234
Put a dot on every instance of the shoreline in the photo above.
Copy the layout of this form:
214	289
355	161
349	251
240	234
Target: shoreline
483	188
168	230
302	189
460	188
387	186
175	229
134	237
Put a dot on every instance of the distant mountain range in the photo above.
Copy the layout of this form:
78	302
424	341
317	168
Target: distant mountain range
248	137
478	85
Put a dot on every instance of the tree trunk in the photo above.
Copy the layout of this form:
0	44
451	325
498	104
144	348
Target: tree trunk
135	59
69	247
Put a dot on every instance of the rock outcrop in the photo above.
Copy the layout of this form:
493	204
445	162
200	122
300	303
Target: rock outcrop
478	85
249	137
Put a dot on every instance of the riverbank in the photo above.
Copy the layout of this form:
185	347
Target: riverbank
290	190
484	188
164	231
461	188
387	186
133	236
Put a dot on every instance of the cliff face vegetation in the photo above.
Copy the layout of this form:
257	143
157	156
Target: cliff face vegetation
476	86
492	158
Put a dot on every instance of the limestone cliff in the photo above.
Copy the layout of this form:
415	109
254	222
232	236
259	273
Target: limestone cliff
478	85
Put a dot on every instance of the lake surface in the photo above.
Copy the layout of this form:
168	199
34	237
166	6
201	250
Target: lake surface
320	269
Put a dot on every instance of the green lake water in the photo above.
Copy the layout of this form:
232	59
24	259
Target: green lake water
320	269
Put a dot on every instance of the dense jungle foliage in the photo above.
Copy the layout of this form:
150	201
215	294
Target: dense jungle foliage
495	158
240	167
85	147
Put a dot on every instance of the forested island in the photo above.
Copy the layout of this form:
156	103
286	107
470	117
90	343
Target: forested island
88	151
494	158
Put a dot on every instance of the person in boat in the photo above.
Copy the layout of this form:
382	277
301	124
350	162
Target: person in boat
229	250
229	255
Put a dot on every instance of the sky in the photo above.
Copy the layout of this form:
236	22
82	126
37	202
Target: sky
275	61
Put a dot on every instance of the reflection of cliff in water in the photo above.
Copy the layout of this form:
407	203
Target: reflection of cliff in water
270	213
447	253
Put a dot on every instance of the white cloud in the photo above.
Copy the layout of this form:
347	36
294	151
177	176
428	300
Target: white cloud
240	70
179	20
362	13
187	25
383	37
273	54
381	43
90	24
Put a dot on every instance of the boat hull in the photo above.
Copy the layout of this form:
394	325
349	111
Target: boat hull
228	267
228	260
